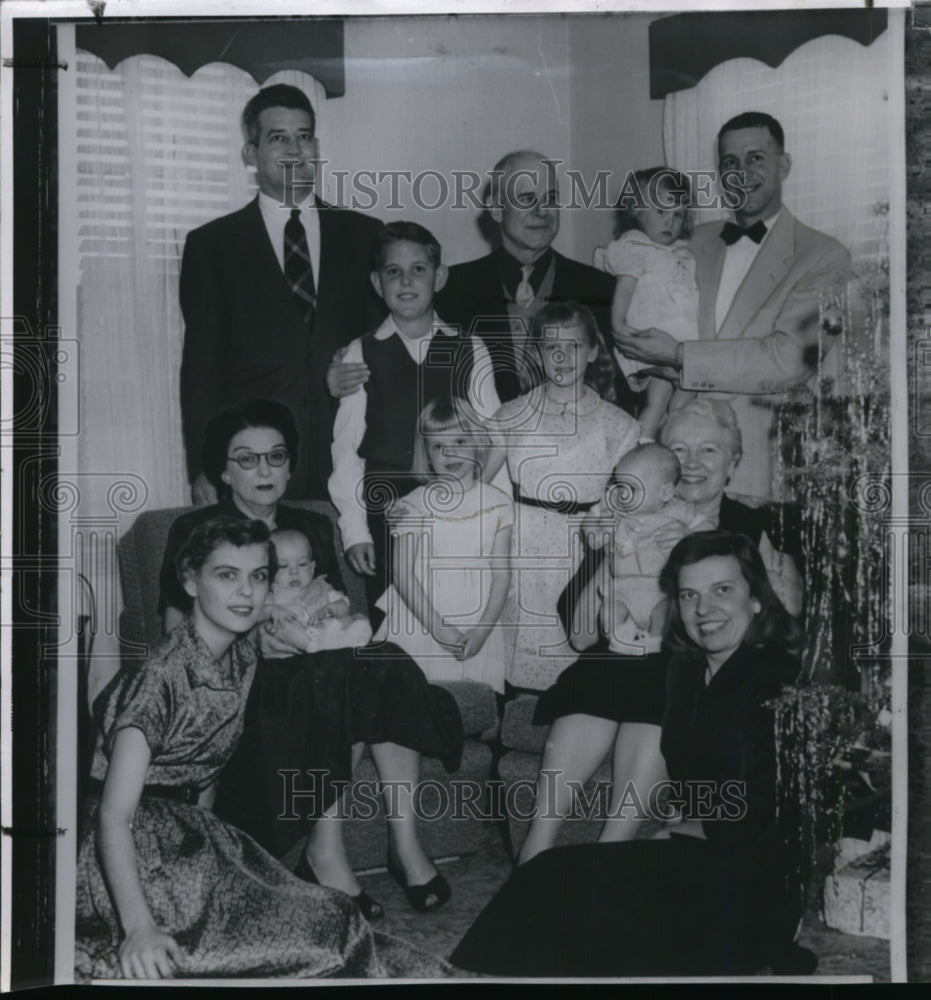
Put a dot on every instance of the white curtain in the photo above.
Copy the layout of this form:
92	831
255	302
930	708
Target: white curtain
830	97
146	155
158	155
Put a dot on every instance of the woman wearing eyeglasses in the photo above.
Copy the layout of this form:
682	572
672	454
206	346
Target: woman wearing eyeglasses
313	712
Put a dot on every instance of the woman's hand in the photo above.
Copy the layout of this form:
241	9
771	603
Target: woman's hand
148	953
276	644
667	536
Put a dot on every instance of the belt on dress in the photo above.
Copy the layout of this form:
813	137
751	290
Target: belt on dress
189	794
557	506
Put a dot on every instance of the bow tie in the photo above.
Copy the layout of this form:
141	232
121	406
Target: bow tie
731	232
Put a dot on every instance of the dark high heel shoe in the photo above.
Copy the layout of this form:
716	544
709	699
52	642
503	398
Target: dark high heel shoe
418	895
370	908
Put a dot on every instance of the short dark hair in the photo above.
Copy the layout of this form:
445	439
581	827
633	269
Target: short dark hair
755	119
564	312
228	423
210	535
404	232
771	625
279	95
653	179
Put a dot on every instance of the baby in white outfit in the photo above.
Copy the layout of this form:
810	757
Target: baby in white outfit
642	500
305	607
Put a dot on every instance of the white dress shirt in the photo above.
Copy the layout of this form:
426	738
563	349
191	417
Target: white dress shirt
738	258
275	218
349	426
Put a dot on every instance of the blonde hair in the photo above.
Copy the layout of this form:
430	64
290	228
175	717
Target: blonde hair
719	411
448	415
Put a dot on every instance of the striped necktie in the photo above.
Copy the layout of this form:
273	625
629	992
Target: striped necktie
298	271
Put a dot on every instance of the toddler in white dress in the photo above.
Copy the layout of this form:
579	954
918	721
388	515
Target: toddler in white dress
655	273
451	539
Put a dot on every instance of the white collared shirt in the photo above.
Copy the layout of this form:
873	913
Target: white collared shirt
738	258
275	218
349	426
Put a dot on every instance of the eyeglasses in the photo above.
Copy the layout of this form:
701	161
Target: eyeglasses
250	459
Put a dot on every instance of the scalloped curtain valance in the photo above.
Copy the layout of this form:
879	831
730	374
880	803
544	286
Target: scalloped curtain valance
684	47
311	45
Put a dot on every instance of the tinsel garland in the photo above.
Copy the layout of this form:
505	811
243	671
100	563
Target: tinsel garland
834	459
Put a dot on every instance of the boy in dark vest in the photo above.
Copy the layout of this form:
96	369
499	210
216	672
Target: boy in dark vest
412	358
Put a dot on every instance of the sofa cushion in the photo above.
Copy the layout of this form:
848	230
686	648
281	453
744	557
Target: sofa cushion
476	703
517	729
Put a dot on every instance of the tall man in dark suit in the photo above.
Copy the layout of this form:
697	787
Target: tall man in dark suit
270	292
767	286
495	296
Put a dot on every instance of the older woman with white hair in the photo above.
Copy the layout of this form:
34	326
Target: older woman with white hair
606	700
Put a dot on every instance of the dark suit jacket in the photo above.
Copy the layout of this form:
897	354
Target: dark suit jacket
244	337
473	299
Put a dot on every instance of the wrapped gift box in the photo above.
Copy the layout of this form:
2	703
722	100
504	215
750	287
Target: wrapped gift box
856	895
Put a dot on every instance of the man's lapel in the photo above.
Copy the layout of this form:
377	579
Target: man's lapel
767	270
259	255
329	235
708	263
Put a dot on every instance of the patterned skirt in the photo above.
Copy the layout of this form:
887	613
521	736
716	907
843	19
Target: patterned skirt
233	910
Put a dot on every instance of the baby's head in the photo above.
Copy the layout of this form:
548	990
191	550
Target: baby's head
643	481
656	202
451	441
294	558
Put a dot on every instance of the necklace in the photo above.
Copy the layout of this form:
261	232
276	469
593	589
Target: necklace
561	407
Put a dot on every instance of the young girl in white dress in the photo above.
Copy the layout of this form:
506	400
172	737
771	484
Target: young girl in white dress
560	440
450	538
655	273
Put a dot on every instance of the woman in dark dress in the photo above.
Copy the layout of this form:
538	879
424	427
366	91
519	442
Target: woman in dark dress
314	712
606	701
713	894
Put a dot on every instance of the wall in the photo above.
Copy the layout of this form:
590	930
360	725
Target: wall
615	125
456	93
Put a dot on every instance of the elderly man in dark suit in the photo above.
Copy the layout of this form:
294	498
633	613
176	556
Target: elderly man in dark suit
495	296
768	287
270	292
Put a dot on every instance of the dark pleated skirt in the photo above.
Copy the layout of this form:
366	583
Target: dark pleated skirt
609	686
304	714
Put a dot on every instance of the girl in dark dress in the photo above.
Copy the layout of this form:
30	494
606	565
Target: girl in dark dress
712	894
164	887
315	711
